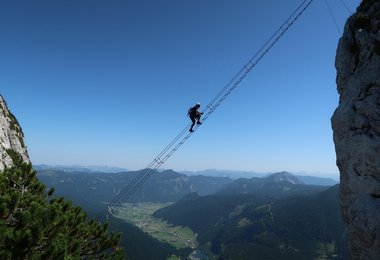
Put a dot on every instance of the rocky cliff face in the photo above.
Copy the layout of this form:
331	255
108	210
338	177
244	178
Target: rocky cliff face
11	136
356	126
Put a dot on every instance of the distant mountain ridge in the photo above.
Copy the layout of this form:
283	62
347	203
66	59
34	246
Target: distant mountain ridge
80	168
225	173
234	175
277	184
165	186
307	179
284	177
312	180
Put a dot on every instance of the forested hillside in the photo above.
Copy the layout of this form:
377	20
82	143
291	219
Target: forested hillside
254	226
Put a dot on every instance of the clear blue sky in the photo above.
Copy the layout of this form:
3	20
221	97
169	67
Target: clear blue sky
109	82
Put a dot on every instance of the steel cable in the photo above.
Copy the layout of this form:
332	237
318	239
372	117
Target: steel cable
181	138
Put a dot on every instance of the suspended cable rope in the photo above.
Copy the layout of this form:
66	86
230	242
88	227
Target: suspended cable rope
184	135
344	4
332	16
147	172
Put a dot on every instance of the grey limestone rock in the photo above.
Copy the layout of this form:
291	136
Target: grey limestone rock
11	136
356	127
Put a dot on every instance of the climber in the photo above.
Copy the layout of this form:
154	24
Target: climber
195	115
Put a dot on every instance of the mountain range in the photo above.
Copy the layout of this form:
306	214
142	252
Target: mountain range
258	226
80	168
277	216
306	179
166	186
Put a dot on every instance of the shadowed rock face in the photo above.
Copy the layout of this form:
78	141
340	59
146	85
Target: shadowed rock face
11	136
356	126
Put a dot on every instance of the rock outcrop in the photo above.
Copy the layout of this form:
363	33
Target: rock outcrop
356	126
11	136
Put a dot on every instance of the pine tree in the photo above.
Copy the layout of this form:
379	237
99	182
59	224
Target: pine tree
33	225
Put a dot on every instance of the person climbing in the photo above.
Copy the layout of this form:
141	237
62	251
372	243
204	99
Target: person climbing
195	115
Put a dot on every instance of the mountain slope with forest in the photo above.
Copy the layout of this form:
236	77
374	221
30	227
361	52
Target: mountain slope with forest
302	226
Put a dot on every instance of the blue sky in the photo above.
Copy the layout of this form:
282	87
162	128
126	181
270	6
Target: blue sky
109	82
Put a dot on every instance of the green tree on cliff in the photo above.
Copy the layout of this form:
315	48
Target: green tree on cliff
35	226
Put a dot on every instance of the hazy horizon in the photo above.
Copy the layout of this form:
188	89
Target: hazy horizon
102	168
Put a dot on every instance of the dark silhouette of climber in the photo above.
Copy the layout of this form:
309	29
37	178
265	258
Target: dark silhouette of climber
195	115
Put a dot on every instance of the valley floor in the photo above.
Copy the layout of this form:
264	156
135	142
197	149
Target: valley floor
141	215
